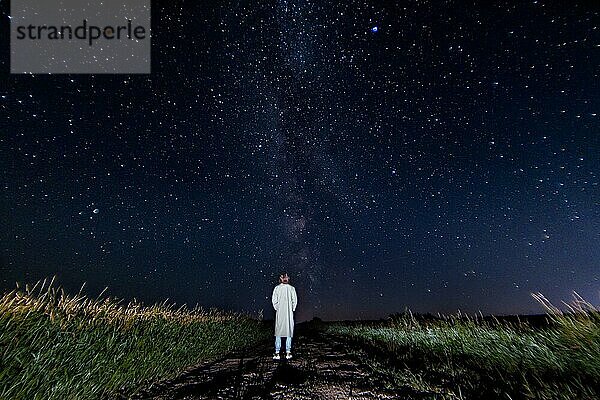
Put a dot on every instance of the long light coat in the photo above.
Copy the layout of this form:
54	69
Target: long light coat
284	302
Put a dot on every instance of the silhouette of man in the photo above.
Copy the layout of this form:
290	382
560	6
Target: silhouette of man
284	302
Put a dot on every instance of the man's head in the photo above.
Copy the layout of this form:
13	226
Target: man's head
284	278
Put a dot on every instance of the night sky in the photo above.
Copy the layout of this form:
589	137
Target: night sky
431	155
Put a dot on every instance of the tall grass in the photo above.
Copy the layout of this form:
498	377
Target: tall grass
477	357
59	346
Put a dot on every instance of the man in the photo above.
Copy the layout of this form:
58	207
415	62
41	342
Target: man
284	302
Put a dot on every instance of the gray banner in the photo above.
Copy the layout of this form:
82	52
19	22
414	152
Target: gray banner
80	36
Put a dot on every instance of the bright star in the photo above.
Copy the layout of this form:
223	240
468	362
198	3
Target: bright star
374	29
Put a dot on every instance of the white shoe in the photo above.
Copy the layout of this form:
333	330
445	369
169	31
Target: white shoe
276	357
288	355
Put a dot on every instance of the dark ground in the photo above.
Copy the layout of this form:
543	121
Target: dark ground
323	367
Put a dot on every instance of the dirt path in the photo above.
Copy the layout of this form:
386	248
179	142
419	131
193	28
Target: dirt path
322	368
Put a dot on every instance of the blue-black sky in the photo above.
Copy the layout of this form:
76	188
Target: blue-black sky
431	155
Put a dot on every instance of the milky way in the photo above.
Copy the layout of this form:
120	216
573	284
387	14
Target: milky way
431	155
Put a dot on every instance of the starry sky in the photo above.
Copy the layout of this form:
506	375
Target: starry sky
431	155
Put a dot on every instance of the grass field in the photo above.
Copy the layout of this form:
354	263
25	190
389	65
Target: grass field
463	358
57	346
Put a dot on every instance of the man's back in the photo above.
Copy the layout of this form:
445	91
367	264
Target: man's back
284	302
286	294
